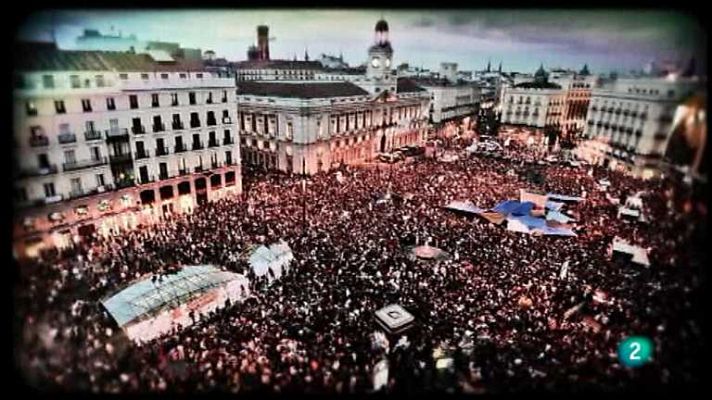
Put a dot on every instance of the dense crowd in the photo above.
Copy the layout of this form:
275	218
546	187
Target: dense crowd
497	306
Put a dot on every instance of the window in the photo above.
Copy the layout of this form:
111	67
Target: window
124	76
21	194
210	98
224	96
49	189
59	107
99	80
95	152
228	157
191	98
48	81
31	108
154	100
110	104
200	76
290	130
70	157
164	76
194	120
74	82
182	76
100	180
144	76
76	185
174	99
86	105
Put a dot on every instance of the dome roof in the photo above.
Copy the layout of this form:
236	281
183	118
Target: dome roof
382	26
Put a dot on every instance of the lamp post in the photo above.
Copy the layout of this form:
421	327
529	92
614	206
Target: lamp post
304	196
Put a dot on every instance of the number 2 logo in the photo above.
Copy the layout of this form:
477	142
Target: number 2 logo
635	346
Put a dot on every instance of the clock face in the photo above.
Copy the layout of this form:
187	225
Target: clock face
375	62
388	62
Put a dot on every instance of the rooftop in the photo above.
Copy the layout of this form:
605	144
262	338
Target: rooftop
37	56
406	85
310	90
278	64
538	85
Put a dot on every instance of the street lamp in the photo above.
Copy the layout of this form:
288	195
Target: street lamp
304	196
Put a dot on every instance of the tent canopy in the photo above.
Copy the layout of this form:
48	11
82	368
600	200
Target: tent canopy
145	297
272	258
563	197
464	206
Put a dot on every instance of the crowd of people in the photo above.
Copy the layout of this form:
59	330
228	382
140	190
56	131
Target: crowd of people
497	305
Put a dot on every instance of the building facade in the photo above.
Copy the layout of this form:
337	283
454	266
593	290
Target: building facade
105	141
314	126
630	122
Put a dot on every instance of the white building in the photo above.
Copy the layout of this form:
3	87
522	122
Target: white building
314	126
450	97
107	140
537	104
629	122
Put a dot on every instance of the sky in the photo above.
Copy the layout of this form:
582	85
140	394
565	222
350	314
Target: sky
618	40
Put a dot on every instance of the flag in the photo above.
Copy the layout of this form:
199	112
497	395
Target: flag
564	270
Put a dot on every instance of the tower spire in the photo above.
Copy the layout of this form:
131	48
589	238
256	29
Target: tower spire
306	54
499	69
489	69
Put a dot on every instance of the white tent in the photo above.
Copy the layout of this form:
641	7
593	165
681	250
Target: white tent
274	258
640	255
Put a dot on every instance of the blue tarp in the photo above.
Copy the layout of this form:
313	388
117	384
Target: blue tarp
558	217
524	208
531	222
553	205
507	207
563	197
547	230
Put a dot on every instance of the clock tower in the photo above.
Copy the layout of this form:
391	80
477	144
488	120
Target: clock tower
380	58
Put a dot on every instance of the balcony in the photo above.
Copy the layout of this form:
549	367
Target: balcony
199	168
227	120
182	172
161	127
73	194
120	184
162	151
228	141
213	143
38	171
117	134
143	154
138	129
92	135
146	179
214	164
64	138
178	125
120	158
163	176
223	100
38	141
229	162
209	100
174	103
197	146
77	165
180	149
